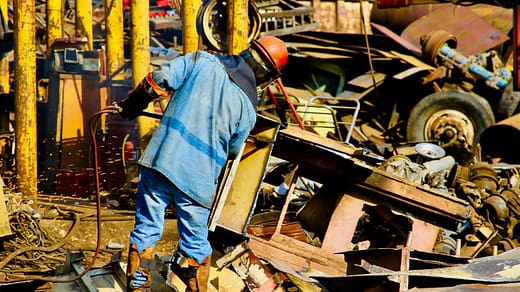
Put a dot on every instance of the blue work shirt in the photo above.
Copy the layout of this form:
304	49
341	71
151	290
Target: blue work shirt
206	122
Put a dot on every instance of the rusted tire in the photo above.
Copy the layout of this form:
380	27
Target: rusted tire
212	24
449	116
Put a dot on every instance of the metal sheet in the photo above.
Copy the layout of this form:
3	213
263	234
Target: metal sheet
503	268
457	21
241	197
398	39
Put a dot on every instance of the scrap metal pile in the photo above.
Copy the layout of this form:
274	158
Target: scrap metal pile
365	166
491	194
474	209
32	248
384	95
28	249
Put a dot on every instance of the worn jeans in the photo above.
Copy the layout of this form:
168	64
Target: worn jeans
155	192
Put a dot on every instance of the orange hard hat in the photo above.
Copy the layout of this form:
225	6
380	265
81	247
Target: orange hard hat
273	50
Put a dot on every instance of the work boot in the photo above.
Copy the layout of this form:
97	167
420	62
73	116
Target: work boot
138	276
199	275
187	275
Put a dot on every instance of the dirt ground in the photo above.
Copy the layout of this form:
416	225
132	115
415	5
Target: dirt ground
81	236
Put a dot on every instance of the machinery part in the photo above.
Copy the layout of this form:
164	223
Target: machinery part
437	165
507	244
439	47
212	24
429	151
497	209
457	173
512	197
403	166
484	176
449	117
497	79
508	103
446	243
432	43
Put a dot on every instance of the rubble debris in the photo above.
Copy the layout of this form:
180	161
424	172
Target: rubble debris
339	202
402	269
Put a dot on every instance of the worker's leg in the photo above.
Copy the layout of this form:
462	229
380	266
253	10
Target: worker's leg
154	194
192	261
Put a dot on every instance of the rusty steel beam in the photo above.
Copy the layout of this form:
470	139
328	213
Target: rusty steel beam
322	159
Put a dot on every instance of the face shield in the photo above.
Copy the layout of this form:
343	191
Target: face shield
264	71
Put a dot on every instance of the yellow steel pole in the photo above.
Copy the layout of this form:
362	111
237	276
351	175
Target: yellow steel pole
54	23
84	21
114	37
237	26
140	43
4	59
114	48
25	96
189	20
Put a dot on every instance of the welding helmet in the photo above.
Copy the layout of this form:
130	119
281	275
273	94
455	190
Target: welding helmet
271	53
272	50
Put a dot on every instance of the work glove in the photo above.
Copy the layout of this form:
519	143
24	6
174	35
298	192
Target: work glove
137	101
139	98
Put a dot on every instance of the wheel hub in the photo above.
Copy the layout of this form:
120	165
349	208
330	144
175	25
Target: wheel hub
450	126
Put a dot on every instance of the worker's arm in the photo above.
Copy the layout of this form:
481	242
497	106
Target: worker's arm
139	98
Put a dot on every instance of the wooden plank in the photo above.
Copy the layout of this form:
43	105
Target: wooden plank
302	257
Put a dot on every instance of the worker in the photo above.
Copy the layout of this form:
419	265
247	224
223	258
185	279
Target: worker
211	111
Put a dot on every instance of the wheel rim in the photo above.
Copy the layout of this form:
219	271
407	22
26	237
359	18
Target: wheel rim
212	24
449	126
